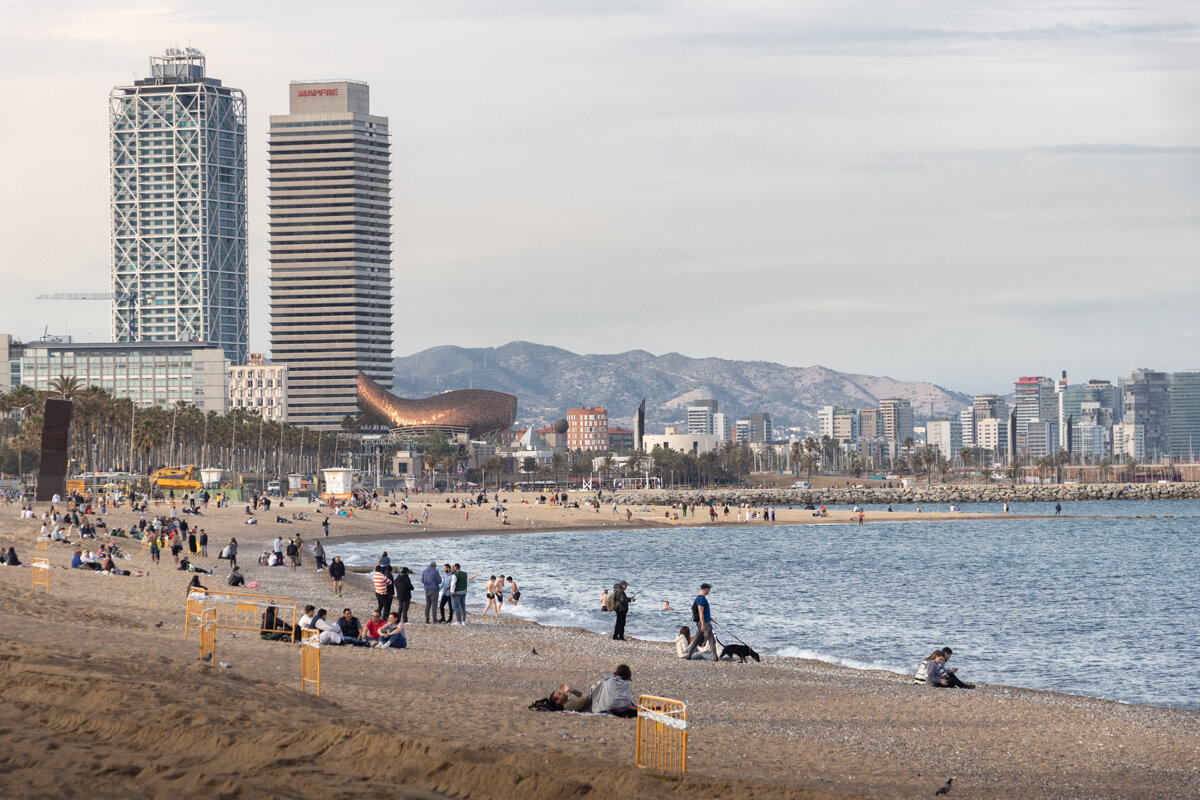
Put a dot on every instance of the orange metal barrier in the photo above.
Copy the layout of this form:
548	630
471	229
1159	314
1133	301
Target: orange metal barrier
41	573
310	662
208	636
42	545
241	612
662	733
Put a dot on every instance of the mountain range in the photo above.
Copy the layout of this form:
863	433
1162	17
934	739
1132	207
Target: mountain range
549	380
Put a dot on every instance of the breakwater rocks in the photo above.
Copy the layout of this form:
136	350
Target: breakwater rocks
931	496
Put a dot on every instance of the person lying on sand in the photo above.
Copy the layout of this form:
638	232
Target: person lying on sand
609	695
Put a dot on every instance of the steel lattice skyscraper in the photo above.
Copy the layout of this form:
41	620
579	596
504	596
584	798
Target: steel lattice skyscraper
178	177
331	249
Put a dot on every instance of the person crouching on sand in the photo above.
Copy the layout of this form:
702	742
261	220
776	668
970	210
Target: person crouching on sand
609	695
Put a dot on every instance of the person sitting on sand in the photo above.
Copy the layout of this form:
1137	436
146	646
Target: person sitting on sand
10	558
194	586
351	630
329	633
273	628
236	578
609	695
391	635
306	619
936	674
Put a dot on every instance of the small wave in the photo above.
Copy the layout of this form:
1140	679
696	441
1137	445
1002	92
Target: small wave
813	655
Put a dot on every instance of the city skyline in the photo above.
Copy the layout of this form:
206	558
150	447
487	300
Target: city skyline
1013	183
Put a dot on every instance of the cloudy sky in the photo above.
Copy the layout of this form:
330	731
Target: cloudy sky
957	192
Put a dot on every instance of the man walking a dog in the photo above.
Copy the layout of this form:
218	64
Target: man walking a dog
702	615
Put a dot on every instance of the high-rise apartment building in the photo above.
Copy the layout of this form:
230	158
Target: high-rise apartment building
587	429
838	423
331	248
1145	402
869	424
1035	399
966	419
944	436
177	166
699	419
896	414
722	426
1071	398
260	387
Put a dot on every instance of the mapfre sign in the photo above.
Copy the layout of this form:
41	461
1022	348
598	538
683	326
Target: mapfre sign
317	93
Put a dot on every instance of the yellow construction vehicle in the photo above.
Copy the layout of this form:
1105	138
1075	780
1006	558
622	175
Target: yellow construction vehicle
177	478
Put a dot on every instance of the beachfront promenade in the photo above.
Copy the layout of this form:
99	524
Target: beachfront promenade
98	694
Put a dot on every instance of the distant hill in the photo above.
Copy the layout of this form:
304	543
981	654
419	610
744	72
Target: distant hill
548	380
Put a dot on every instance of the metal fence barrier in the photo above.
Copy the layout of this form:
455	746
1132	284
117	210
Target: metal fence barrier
208	636
662	733
41	573
310	663
242	612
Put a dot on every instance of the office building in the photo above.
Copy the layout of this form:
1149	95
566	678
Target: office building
587	429
966	420
700	419
694	443
761	429
1071	398
620	440
741	431
149	374
1041	439
1145	402
1184	422
177	166
722	426
991	436
260	387
896	415
330	249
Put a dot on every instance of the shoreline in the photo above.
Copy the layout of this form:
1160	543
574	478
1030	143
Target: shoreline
786	727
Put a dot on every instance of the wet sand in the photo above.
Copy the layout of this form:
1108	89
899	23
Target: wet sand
100	701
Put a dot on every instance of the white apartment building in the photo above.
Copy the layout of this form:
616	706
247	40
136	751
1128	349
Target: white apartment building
838	423
944	435
722	426
1129	441
991	434
260	387
700	419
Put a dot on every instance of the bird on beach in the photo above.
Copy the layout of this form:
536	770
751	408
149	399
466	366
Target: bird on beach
158	624
207	659
945	788
534	651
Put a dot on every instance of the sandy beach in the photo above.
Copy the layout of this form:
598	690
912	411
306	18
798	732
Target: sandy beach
102	701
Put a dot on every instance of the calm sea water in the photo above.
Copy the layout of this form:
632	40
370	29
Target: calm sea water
1100	607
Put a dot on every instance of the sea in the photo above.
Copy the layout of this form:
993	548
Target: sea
1101	601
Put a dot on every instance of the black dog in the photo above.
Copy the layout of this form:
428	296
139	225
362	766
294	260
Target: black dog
740	651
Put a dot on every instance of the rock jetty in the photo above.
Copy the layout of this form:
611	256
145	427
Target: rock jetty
919	495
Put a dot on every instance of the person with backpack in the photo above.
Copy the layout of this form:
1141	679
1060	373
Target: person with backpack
619	602
702	616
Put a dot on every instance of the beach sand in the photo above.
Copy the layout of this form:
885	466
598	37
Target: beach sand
99	701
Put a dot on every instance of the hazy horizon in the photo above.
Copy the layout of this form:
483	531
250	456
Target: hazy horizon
956	195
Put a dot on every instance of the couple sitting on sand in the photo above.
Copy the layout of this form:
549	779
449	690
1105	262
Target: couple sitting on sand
931	672
609	695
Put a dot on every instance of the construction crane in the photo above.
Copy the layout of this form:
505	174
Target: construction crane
124	296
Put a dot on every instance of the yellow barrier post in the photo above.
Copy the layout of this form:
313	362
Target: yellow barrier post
194	612
310	662
208	636
41	573
662	734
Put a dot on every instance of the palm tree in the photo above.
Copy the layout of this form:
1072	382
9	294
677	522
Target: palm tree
558	462
1131	469
810	463
64	388
966	456
529	465
794	453
607	466
1105	469
856	466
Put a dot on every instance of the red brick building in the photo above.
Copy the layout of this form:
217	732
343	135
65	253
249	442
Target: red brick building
588	429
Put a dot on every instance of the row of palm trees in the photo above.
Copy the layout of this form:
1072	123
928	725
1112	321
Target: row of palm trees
111	435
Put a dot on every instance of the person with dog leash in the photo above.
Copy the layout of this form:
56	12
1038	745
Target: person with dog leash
702	614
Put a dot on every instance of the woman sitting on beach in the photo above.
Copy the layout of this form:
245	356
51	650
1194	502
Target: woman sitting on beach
392	634
195	585
10	558
937	675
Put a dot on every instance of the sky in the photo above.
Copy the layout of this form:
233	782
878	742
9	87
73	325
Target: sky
956	192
